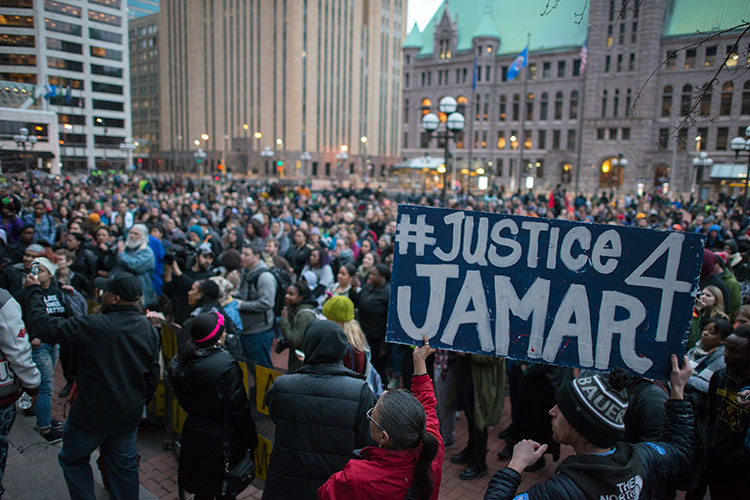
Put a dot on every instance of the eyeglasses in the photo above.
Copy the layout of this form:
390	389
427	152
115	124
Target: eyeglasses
369	417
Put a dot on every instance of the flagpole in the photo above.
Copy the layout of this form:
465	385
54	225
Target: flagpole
522	134
472	117
580	132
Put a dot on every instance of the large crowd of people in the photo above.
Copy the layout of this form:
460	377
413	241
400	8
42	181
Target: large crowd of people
92	268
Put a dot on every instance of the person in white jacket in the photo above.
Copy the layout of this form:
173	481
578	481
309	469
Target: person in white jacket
18	373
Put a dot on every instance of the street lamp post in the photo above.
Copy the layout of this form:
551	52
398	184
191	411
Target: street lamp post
363	141
620	163
454	123
266	154
305	158
200	156
128	145
341	157
22	139
700	162
739	144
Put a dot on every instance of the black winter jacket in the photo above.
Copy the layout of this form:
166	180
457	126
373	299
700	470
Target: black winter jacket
200	386
119	364
644	419
372	309
629	470
320	416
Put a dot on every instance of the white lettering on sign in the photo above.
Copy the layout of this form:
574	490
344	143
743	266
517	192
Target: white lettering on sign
572	320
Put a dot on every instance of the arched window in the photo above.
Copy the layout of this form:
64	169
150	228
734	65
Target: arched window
611	173
558	105
530	106
503	112
574	105
426	104
666	101
461	105
746	98
726	99
686	100
706	102
516	107
543	106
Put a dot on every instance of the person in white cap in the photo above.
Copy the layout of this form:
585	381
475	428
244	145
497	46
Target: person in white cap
45	354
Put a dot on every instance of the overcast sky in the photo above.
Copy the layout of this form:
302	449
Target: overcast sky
421	11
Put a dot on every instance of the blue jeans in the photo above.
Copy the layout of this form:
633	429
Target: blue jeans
257	347
120	459
7	417
45	358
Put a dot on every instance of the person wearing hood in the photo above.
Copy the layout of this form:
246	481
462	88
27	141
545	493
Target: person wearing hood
320	412
277	233
208	383
714	240
136	257
341	255
710	276
298	311
589	417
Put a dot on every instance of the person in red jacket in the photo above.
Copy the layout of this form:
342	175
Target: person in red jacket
410	451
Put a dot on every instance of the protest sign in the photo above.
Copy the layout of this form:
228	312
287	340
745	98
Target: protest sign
544	290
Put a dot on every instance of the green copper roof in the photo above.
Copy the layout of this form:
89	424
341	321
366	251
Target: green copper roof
510	20
486	26
414	38
686	17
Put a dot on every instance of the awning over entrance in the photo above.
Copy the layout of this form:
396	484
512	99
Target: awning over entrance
419	163
728	171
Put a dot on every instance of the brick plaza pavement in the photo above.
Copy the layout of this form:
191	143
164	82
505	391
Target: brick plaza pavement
158	468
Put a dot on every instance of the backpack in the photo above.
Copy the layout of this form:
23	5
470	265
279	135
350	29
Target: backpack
283	281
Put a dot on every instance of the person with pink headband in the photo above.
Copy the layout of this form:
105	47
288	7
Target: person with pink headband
202	374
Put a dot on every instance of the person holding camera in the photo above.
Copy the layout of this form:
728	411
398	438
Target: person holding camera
208	384
177	283
118	374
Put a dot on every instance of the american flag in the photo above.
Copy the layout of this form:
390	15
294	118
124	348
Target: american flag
584	54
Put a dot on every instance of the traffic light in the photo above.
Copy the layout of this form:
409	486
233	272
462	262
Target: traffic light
220	167
198	160
280	165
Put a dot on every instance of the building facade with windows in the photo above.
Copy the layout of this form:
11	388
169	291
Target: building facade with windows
144	88
289	77
141	8
72	56
638	99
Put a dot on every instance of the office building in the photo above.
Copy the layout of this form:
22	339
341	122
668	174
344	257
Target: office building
144	88
313	86
71	58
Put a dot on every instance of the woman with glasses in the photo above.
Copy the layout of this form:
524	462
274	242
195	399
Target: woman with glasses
409	455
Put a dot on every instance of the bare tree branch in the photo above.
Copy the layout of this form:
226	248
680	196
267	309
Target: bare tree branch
551	5
706	87
578	16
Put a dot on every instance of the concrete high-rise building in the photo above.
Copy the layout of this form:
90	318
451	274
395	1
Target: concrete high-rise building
315	84
144	88
647	63
140	8
72	60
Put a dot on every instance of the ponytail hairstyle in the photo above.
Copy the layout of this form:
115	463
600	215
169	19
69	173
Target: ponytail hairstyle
404	419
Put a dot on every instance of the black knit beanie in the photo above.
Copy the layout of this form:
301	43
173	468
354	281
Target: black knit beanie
595	406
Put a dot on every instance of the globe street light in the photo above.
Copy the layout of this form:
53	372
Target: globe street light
454	123
266	154
128	145
700	162
200	156
22	139
341	157
620	163
739	144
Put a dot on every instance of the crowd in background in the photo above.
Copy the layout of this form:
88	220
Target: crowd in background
254	267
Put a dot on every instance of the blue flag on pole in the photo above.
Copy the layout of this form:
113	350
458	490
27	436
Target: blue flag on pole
474	74
518	64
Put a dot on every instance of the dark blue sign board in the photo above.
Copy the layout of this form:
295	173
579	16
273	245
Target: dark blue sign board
592	296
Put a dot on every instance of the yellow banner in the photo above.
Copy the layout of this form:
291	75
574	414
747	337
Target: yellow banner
262	457
264	378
